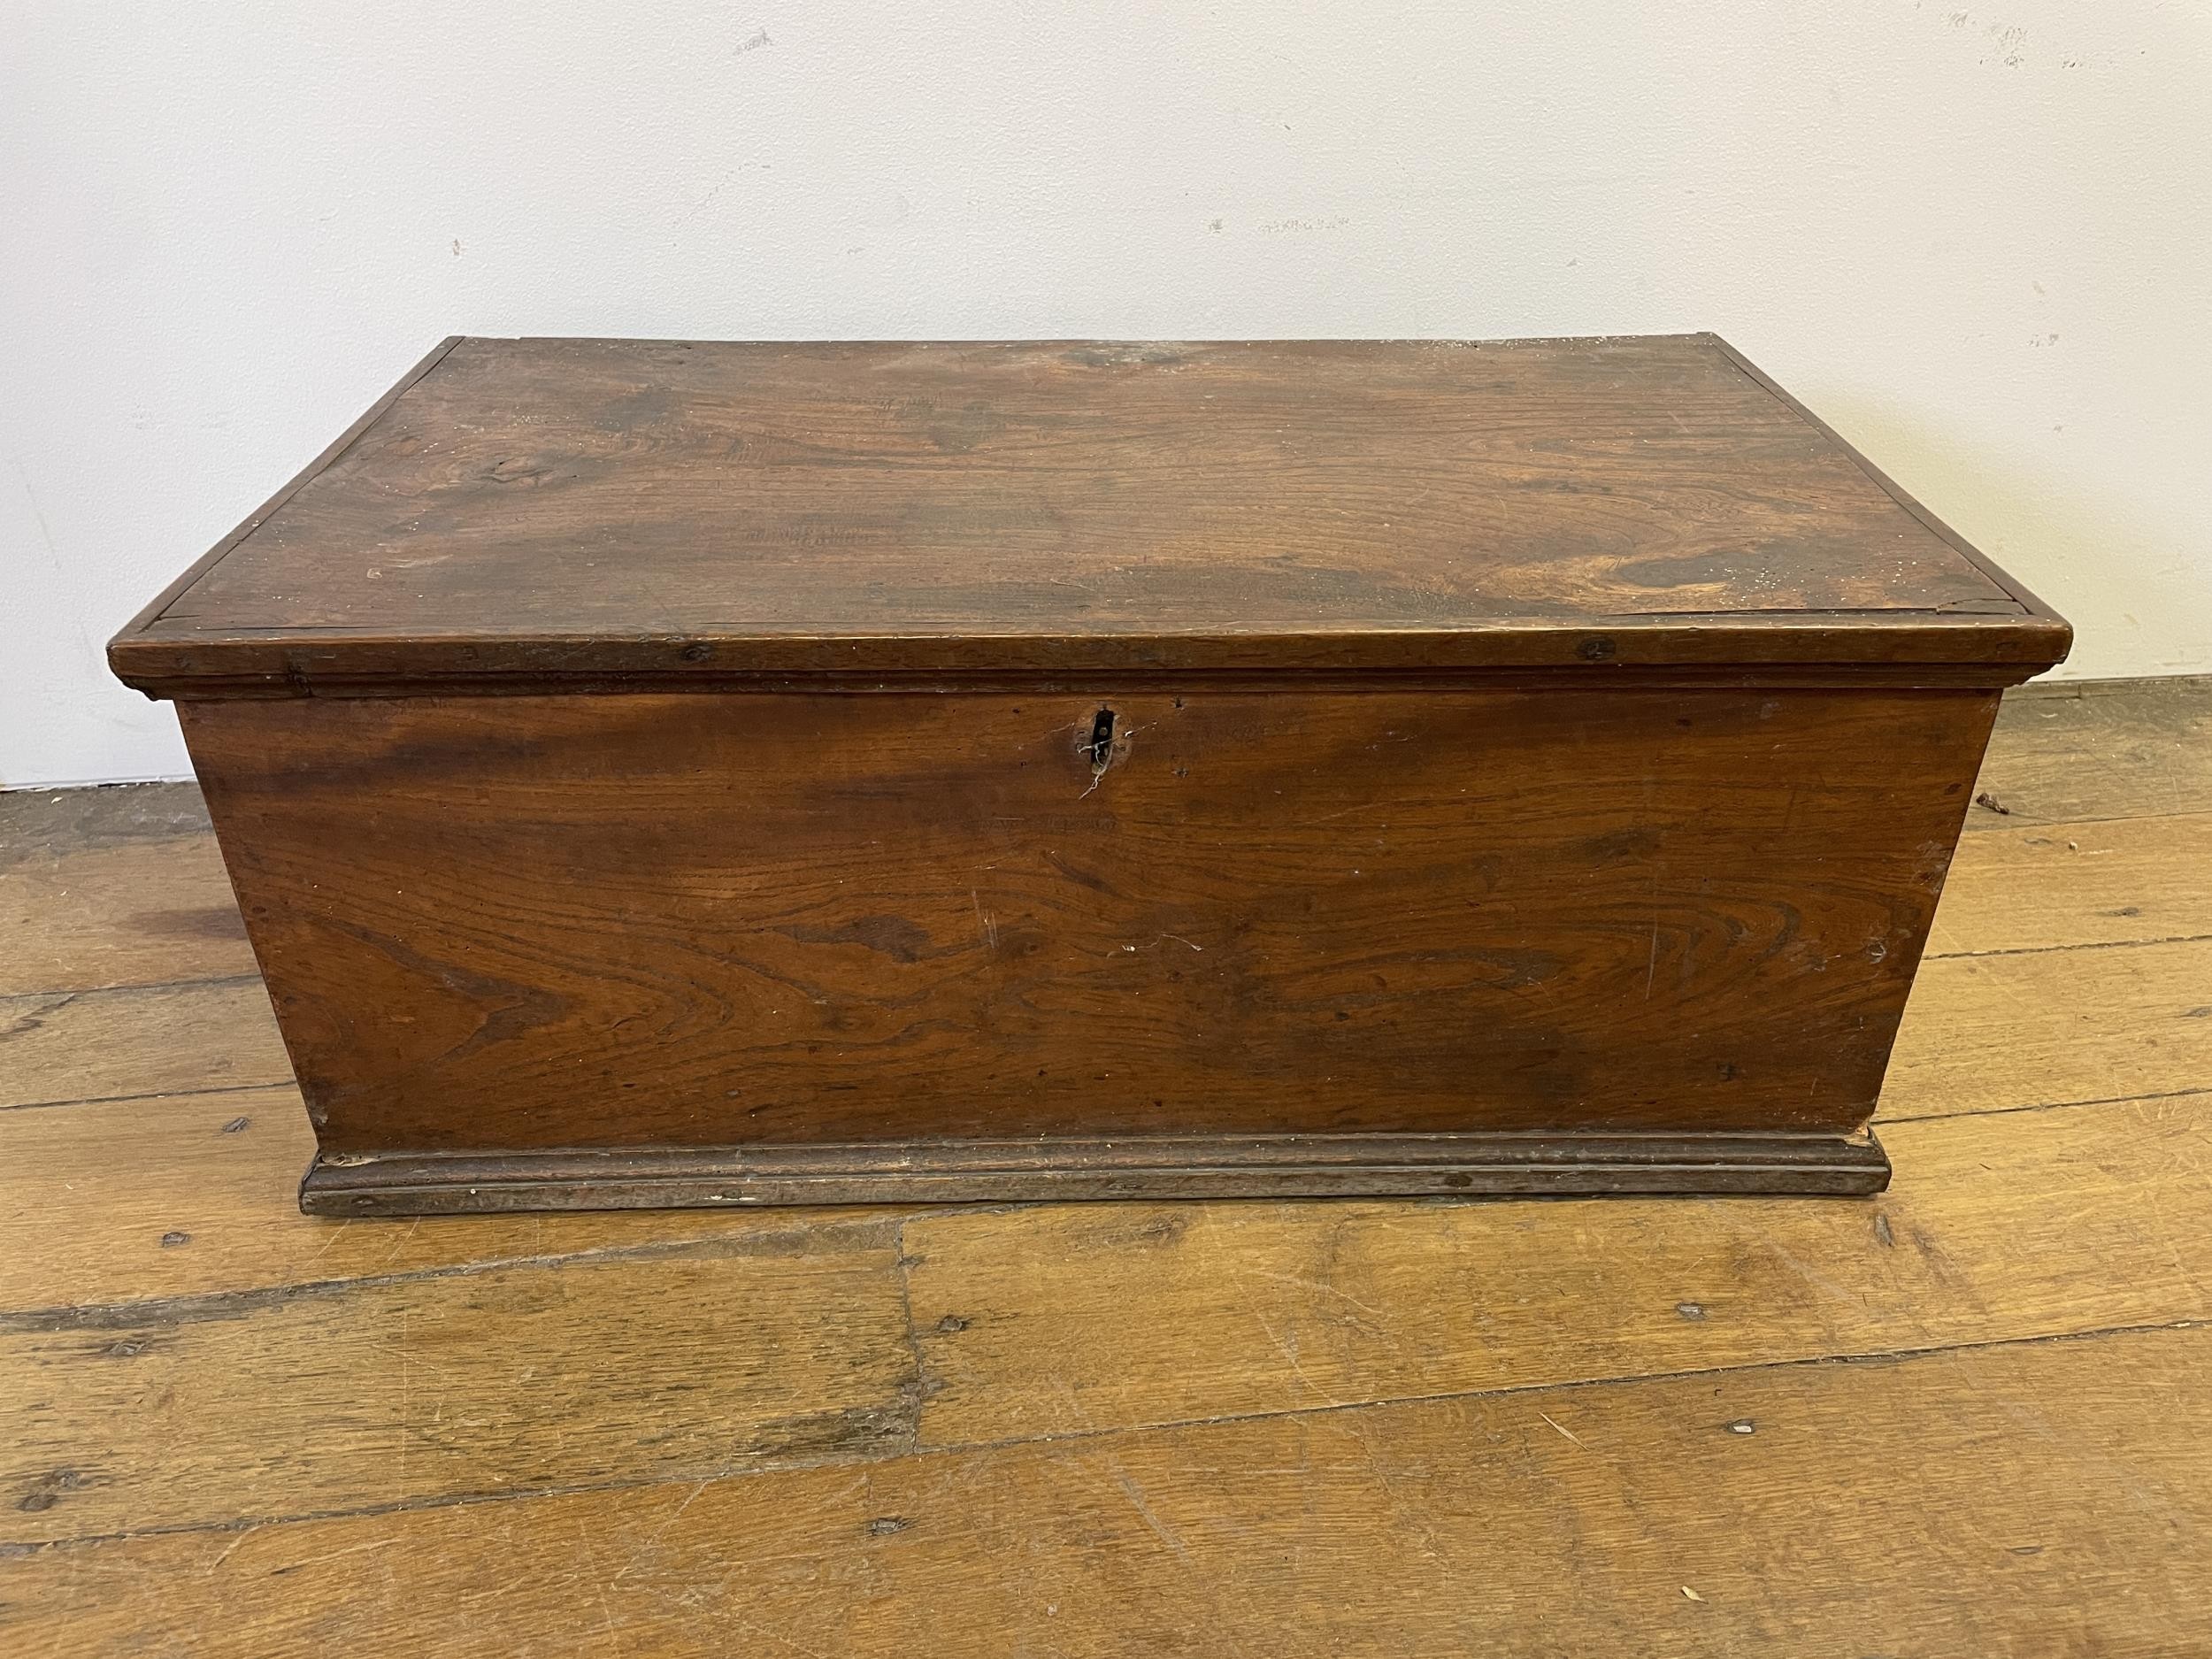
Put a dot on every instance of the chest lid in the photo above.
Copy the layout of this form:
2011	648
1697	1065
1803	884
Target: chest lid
611	514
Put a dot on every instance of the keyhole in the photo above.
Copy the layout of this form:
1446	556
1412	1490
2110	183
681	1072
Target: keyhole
1101	744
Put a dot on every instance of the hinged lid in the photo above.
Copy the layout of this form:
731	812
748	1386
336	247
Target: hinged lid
612	514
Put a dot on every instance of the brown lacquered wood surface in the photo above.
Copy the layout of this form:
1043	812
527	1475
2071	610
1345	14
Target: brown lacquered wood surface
902	752
534	511
693	921
1969	1417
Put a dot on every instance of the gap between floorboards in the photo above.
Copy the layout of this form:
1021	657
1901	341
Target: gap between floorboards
1903	1356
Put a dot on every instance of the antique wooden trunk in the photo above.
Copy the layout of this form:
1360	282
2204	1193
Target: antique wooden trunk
703	773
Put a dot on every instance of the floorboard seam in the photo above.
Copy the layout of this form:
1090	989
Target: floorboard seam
157	1093
2039	1106
1973	827
237	1304
1076	1437
125	990
2049	950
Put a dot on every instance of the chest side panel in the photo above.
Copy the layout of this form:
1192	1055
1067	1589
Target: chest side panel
714	919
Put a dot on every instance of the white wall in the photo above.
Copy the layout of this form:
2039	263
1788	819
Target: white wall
1974	234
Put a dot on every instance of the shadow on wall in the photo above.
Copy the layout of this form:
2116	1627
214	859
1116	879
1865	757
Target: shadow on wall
2065	546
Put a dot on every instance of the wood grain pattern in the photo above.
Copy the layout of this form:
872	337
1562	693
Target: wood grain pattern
44	825
1475	684
2060	886
1075	1319
231	1193
555	509
572	922
143	1039
2049	1027
129	913
195	1198
741	1352
2046	1495
2056	887
2042	1499
2084	749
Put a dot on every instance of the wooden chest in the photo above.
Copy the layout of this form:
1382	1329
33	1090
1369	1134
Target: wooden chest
698	773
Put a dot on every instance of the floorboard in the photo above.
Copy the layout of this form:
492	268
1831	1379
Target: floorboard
1969	1417
2111	749
2049	1498
202	1199
1995	1033
733	1353
1078	1317
2061	886
123	912
59	1048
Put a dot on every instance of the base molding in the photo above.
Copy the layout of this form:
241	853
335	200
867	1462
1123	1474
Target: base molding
1067	1168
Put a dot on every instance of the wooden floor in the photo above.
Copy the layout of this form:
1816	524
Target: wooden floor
1973	1416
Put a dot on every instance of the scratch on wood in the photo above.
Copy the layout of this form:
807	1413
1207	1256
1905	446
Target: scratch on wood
1163	939
229	1550
1135	1494
1570	1433
661	1531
